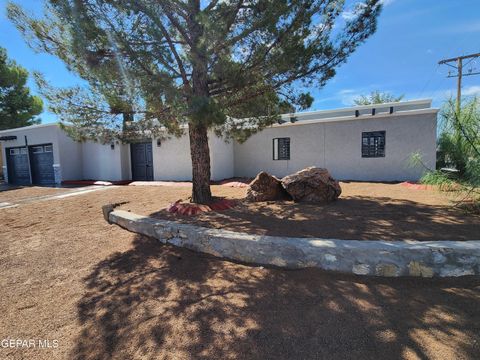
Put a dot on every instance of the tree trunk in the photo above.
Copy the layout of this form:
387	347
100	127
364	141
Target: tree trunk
200	154
199	150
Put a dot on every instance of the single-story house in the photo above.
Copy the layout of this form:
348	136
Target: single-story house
370	143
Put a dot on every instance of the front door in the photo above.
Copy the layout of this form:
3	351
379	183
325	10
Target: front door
142	161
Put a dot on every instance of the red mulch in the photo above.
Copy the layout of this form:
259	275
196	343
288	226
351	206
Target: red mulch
190	209
416	186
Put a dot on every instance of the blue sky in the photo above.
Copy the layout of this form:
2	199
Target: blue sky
401	57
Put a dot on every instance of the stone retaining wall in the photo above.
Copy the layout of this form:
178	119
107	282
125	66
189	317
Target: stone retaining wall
381	258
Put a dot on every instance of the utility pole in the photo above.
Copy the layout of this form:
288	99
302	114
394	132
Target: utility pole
459	68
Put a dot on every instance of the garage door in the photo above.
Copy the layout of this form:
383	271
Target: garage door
41	162
17	165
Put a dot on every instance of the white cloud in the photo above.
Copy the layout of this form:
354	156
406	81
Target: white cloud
349	15
345	96
471	90
386	2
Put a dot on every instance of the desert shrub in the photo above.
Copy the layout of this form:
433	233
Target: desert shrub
458	153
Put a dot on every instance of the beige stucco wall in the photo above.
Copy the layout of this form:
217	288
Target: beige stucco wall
68	161
70	157
100	162
337	146
171	160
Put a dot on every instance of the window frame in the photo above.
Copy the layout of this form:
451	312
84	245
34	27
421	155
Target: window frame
381	134
37	149
277	141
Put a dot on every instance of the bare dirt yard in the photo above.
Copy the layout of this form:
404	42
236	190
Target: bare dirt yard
105	293
365	211
21	193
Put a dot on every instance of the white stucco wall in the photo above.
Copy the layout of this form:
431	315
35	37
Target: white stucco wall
70	155
125	160
221	157
337	146
36	135
100	162
171	160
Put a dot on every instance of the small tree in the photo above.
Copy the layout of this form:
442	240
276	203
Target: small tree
17	107
377	97
195	63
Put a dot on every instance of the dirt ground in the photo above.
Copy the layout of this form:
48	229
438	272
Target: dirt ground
105	293
22	193
365	211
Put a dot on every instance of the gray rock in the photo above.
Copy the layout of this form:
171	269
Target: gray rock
361	269
454	271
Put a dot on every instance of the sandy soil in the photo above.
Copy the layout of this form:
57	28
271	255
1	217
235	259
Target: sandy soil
105	293
365	211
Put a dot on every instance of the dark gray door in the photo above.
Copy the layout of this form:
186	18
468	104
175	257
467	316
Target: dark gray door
17	165
142	161
41	162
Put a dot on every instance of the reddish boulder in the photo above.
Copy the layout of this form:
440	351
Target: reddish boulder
265	187
312	185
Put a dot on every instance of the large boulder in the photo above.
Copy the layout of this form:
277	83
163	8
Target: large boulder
312	185
265	187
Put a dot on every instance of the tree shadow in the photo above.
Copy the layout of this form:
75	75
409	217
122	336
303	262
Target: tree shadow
362	218
158	301
7	187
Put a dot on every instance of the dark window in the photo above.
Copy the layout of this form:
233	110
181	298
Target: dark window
281	149
373	144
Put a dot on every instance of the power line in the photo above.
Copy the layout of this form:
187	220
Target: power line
457	64
429	81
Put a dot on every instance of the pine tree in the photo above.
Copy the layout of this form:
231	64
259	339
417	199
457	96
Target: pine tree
17	107
196	63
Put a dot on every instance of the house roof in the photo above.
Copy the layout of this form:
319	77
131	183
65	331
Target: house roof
29	127
364	109
376	111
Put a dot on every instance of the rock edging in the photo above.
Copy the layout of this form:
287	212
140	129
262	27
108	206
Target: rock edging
361	257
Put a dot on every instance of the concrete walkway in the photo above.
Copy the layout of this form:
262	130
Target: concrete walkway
67	194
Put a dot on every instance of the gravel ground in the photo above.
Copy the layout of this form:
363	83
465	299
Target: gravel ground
105	293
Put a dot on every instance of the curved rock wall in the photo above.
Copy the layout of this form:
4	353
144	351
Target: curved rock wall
381	258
